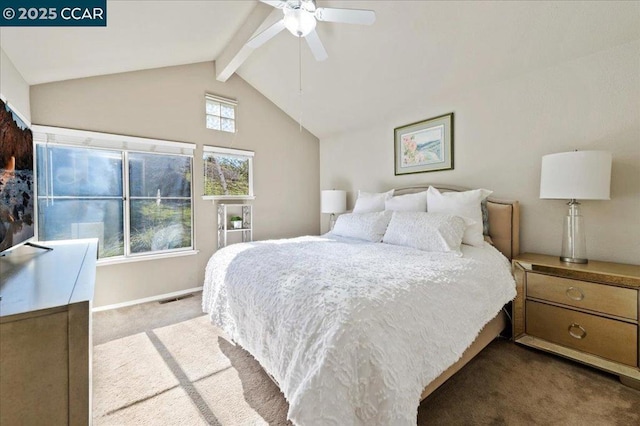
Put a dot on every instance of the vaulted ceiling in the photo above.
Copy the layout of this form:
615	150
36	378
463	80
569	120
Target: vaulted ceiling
414	52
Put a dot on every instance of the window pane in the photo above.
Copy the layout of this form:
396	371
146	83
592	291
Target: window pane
213	122
213	108
156	175
228	125
70	219
226	175
227	111
160	225
82	172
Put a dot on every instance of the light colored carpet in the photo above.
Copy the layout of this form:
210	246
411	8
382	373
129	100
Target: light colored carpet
189	373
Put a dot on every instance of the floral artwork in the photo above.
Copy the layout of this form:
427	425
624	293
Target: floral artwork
425	146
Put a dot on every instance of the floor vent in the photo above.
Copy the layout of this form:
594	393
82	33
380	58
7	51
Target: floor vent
175	299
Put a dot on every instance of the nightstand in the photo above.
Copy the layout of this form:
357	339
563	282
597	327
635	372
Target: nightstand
585	312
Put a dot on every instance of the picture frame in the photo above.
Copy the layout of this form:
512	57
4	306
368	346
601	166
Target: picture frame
424	146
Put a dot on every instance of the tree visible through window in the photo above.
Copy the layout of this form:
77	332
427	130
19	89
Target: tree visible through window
160	202
84	192
227	173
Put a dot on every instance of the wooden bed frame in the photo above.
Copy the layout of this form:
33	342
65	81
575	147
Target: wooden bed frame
504	230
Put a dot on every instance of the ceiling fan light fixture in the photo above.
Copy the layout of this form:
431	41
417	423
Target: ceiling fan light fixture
299	22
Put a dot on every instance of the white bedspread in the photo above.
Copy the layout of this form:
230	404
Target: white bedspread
353	332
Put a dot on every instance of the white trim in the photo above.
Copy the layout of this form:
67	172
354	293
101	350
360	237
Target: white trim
220	99
232	151
15	111
110	137
142	257
228	197
126	207
147	299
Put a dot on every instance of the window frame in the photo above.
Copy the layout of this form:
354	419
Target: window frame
222	101
231	152
92	141
127	207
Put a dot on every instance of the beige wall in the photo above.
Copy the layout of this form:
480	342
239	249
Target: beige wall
168	103
501	133
13	87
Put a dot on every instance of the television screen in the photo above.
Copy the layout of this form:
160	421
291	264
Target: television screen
16	180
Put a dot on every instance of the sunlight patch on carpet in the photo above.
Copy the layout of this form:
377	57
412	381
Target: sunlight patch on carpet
194	346
173	407
176	374
127	370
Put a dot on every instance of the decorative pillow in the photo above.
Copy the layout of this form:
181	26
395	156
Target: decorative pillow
407	203
363	226
434	232
464	204
371	201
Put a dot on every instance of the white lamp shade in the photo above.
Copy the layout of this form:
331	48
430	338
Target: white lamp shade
333	201
579	175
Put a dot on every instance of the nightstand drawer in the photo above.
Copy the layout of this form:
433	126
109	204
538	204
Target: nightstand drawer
616	301
607	338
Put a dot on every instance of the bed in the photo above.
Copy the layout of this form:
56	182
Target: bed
358	332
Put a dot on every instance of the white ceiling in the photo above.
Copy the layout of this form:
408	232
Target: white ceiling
415	51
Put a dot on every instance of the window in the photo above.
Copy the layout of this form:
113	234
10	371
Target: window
133	194
160	202
80	195
228	173
221	113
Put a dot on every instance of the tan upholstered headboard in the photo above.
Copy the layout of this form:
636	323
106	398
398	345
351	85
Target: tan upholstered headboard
504	218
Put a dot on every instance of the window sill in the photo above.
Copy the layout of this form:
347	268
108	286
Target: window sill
141	258
228	197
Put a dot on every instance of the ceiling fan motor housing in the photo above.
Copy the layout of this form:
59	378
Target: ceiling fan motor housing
299	17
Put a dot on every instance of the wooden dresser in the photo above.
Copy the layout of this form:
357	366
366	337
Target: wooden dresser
588	313
45	334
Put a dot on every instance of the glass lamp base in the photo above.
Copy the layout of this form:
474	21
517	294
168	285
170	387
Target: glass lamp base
574	247
332	221
573	260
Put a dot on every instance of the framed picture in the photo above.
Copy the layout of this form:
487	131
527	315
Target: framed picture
425	146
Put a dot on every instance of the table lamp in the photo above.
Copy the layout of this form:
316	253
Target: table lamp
333	201
584	175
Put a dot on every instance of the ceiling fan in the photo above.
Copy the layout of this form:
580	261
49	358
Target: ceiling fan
300	17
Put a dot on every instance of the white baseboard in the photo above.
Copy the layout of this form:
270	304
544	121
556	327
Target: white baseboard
147	299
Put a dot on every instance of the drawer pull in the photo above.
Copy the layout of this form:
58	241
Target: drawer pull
574	293
580	336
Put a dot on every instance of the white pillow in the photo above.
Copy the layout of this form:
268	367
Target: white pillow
408	203
434	232
363	226
371	201
464	204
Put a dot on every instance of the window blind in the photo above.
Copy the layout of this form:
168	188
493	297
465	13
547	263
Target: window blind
62	136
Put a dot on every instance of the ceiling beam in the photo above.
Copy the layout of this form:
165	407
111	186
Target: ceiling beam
237	51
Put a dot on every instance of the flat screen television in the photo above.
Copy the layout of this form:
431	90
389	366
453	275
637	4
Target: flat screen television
16	180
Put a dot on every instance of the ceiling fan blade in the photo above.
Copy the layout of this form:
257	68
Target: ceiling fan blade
316	46
278	4
346	16
266	35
